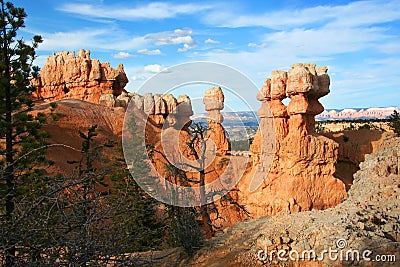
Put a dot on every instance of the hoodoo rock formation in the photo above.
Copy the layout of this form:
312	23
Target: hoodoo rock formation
302	174
214	103
66	75
293	168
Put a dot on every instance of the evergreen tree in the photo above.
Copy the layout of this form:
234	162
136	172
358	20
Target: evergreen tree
20	132
135	211
77	216
99	215
394	122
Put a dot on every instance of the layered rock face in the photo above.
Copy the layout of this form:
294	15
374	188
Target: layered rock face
302	174
66	75
214	102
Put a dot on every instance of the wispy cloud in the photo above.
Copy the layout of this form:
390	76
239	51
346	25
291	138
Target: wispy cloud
103	39
109	39
150	11
211	41
262	45
153	68
177	37
354	14
123	55
146	51
219	51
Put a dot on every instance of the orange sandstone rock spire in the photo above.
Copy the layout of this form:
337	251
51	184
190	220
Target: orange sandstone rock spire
214	103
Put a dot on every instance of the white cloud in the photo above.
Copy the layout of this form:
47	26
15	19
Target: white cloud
89	38
341	29
329	45
178	36
156	10
123	55
185	47
273	20
153	68
359	13
146	51
211	41
262	45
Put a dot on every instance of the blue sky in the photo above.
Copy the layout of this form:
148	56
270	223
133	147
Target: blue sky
358	40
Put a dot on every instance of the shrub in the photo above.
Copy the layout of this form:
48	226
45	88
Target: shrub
394	122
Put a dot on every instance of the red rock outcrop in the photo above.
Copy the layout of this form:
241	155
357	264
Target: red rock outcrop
65	75
302	173
214	102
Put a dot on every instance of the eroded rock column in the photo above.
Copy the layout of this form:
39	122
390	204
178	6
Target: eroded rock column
302	176
214	103
302	144
184	111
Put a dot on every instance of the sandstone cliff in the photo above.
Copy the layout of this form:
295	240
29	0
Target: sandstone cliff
66	75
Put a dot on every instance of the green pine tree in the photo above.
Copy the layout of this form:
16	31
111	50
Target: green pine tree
99	214
394	122
20	132
135	210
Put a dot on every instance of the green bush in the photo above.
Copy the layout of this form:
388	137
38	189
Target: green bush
394	122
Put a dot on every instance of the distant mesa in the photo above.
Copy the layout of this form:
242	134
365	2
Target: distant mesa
360	113
66	75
